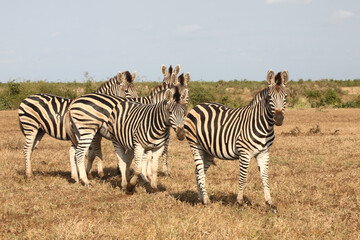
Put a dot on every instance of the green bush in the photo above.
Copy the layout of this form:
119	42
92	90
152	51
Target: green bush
198	94
330	98
232	93
350	104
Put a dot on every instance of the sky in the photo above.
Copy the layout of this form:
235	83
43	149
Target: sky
213	40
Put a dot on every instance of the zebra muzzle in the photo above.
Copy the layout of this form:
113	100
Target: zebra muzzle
180	133
278	117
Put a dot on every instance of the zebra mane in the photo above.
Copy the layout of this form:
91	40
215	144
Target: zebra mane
170	70
259	96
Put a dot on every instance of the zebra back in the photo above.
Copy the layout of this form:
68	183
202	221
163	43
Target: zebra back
44	111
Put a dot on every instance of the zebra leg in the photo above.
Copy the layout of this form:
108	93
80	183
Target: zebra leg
244	161
165	157
31	141
122	164
129	155
95	151
263	163
146	163
200	170
138	154
82	148
149	159
156	153
74	172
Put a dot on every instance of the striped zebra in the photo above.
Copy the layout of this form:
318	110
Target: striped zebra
142	130
166	84
170	79
89	113
44	113
214	130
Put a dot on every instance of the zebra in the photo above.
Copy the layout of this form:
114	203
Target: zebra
214	130
89	113
142	130
170	79
166	84
44	113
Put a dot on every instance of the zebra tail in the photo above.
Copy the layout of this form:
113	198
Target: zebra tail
69	129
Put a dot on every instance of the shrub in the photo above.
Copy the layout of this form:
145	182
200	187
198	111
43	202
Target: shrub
199	94
330	98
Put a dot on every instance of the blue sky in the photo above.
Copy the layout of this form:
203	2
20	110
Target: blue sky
213	40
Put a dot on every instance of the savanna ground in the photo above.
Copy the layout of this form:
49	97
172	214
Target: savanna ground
314	176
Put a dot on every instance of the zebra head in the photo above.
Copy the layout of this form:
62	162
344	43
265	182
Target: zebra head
276	97
128	89
176	110
168	73
182	83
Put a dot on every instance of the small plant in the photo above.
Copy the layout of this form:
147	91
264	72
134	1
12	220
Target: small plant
330	98
14	88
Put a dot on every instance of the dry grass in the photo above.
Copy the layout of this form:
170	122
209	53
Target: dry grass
314	175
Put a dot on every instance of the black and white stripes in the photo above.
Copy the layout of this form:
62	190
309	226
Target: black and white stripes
214	130
89	113
142	130
44	113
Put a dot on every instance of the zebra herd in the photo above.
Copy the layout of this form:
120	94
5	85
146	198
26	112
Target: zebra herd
139	128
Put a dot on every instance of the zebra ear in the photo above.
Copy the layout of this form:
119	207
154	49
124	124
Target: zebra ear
285	76
177	69
133	77
163	69
270	77
174	79
181	79
118	77
168	95
187	78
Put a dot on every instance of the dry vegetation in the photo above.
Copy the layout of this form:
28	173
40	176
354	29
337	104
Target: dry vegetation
314	176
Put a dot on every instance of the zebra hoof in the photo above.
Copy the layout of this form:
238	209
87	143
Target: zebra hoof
206	200
153	190
130	189
88	185
29	175
243	202
128	193
90	176
272	207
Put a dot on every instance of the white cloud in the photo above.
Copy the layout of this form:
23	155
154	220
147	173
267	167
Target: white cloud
288	1
342	14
